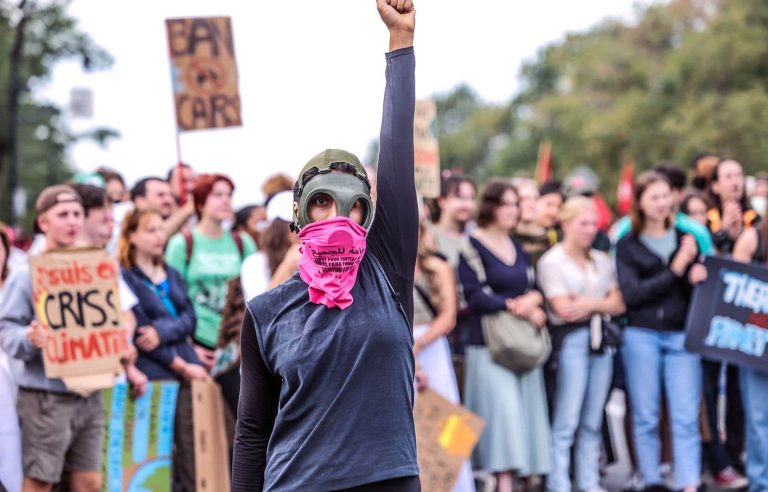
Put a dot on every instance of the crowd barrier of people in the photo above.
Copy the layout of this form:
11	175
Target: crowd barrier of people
411	307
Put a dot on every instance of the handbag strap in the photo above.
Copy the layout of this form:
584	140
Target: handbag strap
472	257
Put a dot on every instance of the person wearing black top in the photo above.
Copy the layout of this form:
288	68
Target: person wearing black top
327	367
656	268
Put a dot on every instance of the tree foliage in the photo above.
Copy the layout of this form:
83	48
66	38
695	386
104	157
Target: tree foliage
685	77
50	35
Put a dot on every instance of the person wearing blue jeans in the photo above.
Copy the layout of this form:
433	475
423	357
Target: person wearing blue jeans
650	357
656	268
579	286
752	246
754	390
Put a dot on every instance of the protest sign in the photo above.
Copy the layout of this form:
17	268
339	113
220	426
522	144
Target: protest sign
76	299
728	315
139	438
204	72
426	158
446	434
211	447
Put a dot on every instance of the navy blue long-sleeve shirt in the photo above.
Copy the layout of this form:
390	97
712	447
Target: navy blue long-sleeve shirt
326	396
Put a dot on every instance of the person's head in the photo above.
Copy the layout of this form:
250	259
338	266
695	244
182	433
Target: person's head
728	184
498	206
181	178
578	219
457	200
5	251
677	181
114	184
761	185
332	184
529	195
652	201
59	215
99	221
548	204
703	166
275	184
143	232
212	197
695	206
154	193
248	218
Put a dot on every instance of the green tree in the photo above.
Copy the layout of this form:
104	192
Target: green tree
685	76
33	38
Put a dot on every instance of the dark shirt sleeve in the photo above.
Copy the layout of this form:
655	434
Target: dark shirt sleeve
478	300
256	411
177	329
635	290
393	238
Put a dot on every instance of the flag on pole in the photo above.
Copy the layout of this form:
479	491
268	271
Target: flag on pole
626	189
544	162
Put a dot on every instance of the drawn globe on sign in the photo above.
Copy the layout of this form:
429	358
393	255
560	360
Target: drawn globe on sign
205	76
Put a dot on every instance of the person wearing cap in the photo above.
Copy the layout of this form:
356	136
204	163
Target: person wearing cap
60	430
326	401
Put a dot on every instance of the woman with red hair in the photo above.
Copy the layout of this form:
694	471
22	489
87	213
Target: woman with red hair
208	257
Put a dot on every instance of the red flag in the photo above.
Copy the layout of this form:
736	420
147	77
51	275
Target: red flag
625	189
544	162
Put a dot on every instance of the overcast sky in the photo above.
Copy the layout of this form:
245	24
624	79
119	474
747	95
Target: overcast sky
311	75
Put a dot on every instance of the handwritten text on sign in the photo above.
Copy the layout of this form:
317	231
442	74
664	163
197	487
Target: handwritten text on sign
204	72
75	295
728	318
426	151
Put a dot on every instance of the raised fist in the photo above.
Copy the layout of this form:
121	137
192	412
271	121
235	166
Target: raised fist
400	18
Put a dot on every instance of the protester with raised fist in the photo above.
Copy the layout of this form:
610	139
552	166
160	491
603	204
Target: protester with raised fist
327	391
656	267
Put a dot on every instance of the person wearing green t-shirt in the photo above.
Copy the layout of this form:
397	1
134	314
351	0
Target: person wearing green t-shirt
208	257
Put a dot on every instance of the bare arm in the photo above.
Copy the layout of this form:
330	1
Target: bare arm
745	246
445	320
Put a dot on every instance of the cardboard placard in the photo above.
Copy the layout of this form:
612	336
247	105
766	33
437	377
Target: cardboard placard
76	299
426	158
728	314
139	439
446	434
204	72
211	446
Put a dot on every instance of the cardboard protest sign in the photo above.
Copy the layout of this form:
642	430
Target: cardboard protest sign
728	315
204	72
446	434
139	439
426	151
76	299
211	447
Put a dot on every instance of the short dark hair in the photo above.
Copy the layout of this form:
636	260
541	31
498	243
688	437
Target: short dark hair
674	174
700	156
490	200
93	197
242	216
449	185
551	186
108	175
140	188
174	168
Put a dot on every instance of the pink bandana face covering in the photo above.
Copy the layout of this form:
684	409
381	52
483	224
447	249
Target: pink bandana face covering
331	252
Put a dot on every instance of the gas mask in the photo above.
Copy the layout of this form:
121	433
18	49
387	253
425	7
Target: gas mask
343	188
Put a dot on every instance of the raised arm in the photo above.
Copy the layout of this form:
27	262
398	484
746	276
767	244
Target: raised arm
393	238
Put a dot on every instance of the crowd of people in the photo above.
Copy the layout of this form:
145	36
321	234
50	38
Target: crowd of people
319	372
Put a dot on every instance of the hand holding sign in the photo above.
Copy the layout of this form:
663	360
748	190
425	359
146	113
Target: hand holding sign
36	334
